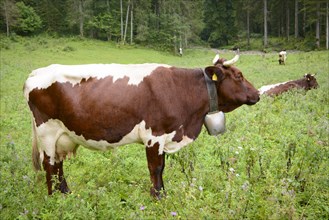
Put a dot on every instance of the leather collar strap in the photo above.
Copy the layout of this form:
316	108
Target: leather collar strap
212	93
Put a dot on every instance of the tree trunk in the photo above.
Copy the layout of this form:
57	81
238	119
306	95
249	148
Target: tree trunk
288	20
175	44
304	19
9	12
108	32
180	41
327	24
248	28
6	8
121	14
265	23
280	28
131	22
81	17
126	26
108	5
317	34
186	41
296	19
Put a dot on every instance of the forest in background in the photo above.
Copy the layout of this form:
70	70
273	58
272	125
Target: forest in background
170	24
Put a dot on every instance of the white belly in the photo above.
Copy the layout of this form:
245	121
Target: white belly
57	141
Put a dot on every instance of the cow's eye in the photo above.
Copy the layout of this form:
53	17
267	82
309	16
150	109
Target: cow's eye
238	76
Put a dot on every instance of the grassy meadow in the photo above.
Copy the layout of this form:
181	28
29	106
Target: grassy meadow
272	162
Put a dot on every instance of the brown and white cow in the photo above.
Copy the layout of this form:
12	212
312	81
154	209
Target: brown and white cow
101	106
282	57
307	82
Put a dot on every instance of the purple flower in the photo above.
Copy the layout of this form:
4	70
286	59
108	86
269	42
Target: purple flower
173	213
142	208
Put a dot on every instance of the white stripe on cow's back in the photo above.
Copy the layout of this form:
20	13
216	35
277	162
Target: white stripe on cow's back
43	77
57	141
263	89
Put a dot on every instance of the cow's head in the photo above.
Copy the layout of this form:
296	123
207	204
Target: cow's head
311	81
232	88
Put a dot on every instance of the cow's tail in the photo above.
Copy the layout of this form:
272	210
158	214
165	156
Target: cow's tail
35	150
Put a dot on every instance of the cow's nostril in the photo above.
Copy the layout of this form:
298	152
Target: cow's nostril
253	100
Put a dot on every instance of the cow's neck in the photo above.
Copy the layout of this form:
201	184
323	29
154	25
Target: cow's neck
212	93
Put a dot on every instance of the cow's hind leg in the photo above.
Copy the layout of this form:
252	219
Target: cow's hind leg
53	171
156	164
62	185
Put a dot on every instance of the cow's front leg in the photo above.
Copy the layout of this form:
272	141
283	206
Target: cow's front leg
51	172
156	164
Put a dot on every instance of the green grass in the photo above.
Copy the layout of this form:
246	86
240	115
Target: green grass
272	163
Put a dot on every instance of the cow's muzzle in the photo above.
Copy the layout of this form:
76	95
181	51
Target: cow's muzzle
253	100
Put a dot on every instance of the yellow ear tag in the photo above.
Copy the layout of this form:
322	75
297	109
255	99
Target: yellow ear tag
214	77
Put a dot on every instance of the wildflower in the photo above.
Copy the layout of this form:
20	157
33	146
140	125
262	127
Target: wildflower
237	152
240	148
231	169
173	213
200	188
245	186
25	212
142	208
237	175
291	193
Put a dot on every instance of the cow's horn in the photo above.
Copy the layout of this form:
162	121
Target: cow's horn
214	61
232	61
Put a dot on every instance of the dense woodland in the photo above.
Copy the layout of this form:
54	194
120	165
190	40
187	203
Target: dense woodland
169	24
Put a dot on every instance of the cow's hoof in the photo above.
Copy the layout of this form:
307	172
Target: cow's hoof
157	194
64	188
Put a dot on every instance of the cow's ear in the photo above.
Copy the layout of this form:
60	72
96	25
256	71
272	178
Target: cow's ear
214	73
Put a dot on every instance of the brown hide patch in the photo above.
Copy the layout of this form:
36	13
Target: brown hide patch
281	88
170	99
